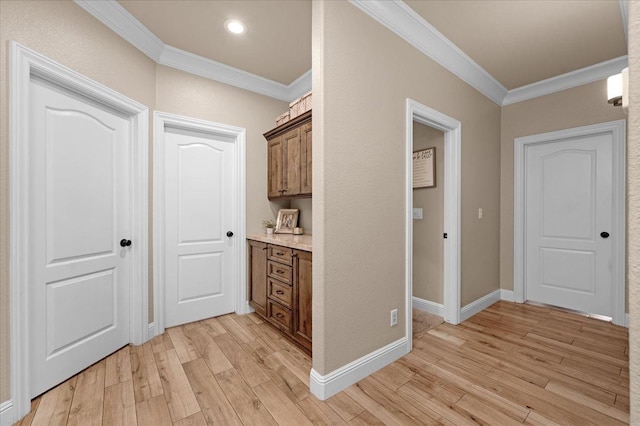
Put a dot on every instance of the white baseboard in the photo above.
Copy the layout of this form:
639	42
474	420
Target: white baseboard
478	305
507	295
428	306
7	413
324	387
151	332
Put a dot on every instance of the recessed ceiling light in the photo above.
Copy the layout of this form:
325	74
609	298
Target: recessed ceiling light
235	27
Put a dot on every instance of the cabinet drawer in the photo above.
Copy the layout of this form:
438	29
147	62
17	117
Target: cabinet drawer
281	272
280	254
280	292
280	316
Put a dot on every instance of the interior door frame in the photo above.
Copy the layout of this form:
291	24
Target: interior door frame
617	129
161	121
25	64
452	129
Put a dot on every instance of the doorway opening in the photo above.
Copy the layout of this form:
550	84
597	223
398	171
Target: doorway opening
450	129
428	228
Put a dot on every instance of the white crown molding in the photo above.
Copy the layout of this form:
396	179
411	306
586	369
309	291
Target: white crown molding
116	17
300	86
406	23
194	64
567	81
123	23
624	12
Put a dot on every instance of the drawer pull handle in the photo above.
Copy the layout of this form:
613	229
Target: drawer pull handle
279	271
279	292
279	254
279	315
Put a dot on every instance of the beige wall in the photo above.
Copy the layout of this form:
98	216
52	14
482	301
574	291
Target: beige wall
363	74
65	33
305	205
428	244
633	182
579	106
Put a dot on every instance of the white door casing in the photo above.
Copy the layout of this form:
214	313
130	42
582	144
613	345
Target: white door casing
27	65
79	193
452	129
199	197
569	188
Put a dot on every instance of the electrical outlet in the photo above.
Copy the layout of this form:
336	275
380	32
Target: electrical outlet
480	213
394	317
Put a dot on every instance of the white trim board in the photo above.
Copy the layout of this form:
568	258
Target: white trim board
410	26
617	130
566	81
26	63
395	15
415	30
480	304
162	120
428	306
123	23
7	413
325	386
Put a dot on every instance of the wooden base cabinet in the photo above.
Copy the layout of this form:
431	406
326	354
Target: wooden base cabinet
280	289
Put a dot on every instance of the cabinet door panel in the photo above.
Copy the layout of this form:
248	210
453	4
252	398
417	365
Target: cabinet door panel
275	167
303	297
306	159
292	161
258	276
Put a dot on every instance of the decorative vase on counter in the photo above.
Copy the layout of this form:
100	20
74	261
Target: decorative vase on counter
269	231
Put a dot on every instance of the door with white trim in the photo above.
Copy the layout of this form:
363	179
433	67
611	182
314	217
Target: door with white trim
79	196
568	223
199	212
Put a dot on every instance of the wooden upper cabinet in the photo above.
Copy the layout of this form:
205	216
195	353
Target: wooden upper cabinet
305	156
289	159
292	162
275	160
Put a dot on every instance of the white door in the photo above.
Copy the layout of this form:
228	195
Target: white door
568	215
199	217
79	197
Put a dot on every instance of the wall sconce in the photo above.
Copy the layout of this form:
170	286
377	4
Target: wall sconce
618	89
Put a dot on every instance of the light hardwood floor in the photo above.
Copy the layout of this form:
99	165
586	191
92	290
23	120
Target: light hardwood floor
510	364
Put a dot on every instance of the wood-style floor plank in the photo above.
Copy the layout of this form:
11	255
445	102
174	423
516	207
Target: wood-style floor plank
88	397
510	364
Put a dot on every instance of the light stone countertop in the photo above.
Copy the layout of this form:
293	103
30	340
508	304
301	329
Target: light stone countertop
300	242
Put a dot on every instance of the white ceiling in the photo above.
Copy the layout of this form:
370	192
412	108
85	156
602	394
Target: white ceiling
277	44
522	42
517	42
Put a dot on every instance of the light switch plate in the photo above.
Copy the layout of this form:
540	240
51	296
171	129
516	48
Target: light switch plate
417	213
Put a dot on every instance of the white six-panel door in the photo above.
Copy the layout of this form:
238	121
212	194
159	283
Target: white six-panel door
199	257
79	192
568	216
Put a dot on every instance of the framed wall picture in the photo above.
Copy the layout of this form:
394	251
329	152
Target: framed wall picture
287	220
424	168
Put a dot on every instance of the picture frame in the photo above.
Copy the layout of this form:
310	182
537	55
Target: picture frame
286	221
424	168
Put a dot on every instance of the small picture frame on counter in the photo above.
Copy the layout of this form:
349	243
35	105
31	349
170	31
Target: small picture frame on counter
287	221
